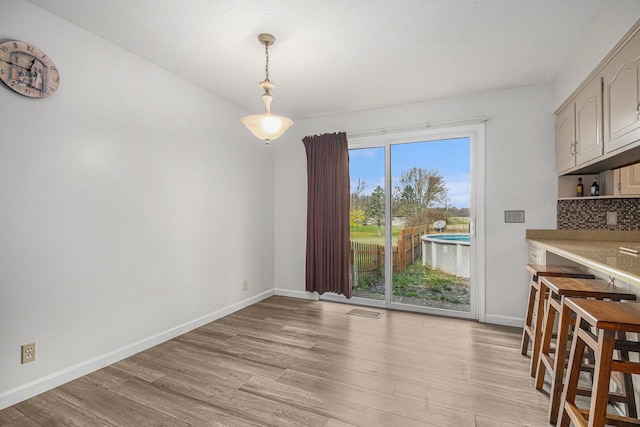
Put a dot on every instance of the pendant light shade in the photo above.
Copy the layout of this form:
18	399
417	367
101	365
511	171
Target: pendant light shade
267	126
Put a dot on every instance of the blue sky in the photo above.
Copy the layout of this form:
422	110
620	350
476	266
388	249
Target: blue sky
450	157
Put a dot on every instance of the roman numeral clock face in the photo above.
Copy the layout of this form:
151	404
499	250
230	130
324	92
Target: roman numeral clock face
27	70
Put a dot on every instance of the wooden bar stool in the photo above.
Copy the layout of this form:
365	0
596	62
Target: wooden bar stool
535	307
610	319
560	288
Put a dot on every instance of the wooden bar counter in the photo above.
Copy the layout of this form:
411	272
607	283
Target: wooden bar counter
598	251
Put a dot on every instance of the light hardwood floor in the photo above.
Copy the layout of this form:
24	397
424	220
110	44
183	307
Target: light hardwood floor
291	362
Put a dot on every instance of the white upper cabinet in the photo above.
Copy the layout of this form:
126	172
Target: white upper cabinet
598	127
589	122
621	98
566	137
627	180
579	128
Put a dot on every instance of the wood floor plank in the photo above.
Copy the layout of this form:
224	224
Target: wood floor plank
108	377
418	390
51	409
263	411
198	366
139	368
425	412
10	415
181	407
292	362
336	423
504	410
112	407
492	422
422	373
333	368
227	361
328	405
23	422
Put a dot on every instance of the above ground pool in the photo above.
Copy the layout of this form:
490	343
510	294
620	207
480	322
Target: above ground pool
447	252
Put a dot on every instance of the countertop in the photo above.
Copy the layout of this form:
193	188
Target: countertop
597	250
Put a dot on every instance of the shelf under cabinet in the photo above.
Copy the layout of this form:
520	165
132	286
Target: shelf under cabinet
600	197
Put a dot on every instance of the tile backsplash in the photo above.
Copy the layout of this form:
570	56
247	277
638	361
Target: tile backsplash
591	214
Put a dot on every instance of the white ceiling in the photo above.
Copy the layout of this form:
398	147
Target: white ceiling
342	55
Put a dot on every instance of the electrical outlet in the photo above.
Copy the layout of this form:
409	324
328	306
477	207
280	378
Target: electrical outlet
245	285
28	352
612	218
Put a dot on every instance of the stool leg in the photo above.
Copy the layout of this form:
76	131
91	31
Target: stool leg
541	299
629	392
545	347
570	388
601	378
558	363
528	323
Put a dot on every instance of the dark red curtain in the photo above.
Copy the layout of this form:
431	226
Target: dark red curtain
327	264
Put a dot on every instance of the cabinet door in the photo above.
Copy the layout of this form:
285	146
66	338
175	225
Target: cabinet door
622	97
566	138
588	122
537	256
630	180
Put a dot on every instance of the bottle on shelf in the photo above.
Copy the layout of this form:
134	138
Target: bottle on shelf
579	188
595	188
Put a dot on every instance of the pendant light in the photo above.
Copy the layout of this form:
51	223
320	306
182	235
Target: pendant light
266	126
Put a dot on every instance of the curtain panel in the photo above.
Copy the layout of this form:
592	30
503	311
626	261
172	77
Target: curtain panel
328	248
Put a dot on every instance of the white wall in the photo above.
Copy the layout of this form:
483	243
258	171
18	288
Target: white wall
134	204
613	22
520	174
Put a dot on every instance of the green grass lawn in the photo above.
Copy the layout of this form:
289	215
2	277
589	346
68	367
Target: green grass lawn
417	283
369	234
458	220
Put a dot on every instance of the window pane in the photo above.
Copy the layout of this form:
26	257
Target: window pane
430	209
367	221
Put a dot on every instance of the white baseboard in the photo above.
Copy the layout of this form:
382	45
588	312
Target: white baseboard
23	392
504	320
297	294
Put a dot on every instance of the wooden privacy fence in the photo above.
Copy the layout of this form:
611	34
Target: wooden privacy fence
368	258
367	261
409	247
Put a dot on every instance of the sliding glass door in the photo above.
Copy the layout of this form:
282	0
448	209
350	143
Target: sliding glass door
367	219
430	203
413	215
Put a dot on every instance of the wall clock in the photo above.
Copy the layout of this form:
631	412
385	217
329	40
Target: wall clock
27	70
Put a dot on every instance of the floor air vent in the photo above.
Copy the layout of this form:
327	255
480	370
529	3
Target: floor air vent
365	313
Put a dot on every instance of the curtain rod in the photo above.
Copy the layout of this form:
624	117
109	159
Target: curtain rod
420	125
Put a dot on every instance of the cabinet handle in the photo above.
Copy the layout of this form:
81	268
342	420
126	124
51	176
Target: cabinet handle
638	110
572	149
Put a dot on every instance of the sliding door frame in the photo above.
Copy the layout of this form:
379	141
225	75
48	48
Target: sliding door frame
476	134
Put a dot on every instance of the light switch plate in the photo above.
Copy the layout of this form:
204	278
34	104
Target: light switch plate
513	216
612	218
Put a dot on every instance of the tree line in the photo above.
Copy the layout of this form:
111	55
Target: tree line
420	197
